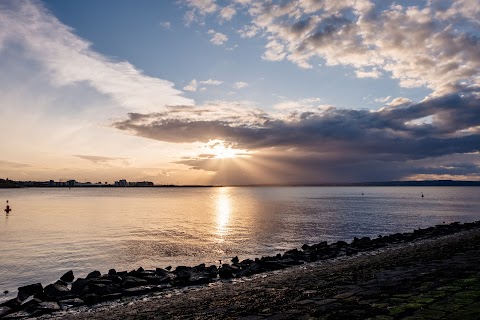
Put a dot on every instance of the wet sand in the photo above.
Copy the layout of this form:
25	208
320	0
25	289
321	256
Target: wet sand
435	278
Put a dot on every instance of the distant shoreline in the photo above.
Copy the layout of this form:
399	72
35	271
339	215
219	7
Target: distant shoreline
423	183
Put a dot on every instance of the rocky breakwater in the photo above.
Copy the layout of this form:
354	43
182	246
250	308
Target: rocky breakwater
68	291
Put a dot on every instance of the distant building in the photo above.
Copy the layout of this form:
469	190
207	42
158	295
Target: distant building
121	183
144	184
71	183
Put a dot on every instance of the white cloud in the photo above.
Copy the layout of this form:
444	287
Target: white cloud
227	13
434	45
211	82
192	86
70	60
275	51
189	18
218	38
399	101
249	31
374	73
203	6
166	24
240	85
383	99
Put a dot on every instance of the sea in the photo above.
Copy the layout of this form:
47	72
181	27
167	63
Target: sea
52	230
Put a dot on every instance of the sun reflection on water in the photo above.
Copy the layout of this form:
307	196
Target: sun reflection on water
223	209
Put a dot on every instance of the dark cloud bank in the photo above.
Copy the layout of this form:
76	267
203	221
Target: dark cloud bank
337	145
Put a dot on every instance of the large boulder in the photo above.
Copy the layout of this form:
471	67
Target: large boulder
225	271
56	291
78	285
131	282
27	291
68	276
91	298
102	289
94	274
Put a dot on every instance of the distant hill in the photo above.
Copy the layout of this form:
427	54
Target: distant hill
423	183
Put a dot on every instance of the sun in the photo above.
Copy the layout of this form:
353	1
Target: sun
222	150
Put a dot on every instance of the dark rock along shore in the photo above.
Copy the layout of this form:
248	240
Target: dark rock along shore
34	300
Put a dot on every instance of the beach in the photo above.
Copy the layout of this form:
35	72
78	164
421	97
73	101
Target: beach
432	278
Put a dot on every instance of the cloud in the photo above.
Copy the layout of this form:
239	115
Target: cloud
383	99
240	85
13	165
227	13
203	6
166	25
70	60
218	38
103	160
192	86
435	47
374	73
317	137
211	82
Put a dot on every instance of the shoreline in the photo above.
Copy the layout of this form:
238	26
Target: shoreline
237	276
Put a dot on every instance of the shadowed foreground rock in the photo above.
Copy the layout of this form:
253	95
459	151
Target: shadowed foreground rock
393	277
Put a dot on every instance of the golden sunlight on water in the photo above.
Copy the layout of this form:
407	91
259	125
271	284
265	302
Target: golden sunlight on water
223	210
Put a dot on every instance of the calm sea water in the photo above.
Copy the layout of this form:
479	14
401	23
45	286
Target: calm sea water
51	231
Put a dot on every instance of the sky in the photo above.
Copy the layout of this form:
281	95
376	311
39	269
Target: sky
240	91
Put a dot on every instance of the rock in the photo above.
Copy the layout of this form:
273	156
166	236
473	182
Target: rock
94	274
182	269
4	311
130	282
56	291
112	272
60	282
295	254
199	278
68	276
136	291
168	268
68	303
235	260
18	315
305	247
12	303
155	279
116	279
40	295
225	272
78	285
319	246
111	296
140	269
48	306
101	289
212	271
161	272
250	270
351	251
91	298
340	244
27	291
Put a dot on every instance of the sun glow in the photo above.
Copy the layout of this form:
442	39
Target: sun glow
222	150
